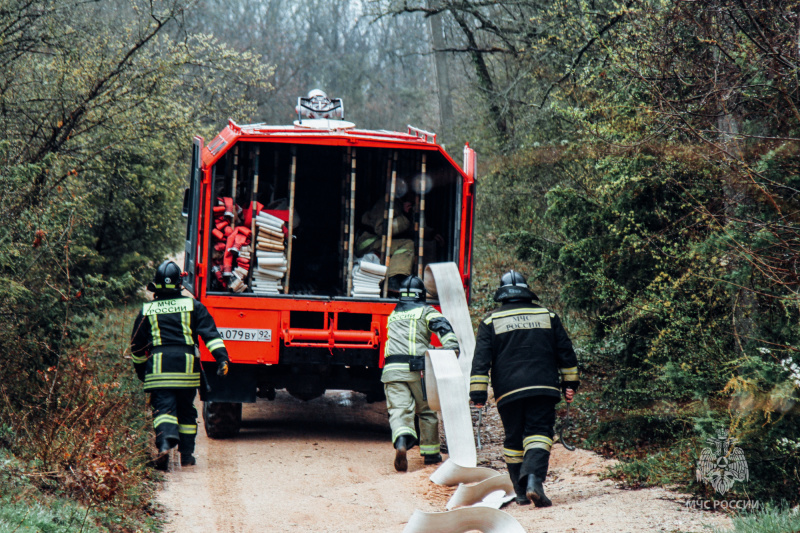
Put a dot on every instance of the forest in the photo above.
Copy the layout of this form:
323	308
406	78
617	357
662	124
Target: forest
638	162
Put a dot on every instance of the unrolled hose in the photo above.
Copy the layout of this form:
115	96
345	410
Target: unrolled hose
462	520
447	385
493	491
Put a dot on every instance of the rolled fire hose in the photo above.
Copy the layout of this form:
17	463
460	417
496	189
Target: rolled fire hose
447	385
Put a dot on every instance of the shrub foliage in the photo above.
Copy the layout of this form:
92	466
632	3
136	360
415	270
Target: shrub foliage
659	212
98	105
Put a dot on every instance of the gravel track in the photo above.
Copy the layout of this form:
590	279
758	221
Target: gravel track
326	466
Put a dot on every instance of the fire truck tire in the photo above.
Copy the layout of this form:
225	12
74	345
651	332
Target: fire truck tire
222	420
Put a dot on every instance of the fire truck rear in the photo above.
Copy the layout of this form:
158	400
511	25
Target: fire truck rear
288	244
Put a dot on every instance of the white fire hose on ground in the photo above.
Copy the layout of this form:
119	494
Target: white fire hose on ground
481	491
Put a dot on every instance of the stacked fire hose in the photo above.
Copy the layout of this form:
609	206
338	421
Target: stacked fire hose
271	263
230	259
367	277
481	492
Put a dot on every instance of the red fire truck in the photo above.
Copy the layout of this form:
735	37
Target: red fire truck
278	221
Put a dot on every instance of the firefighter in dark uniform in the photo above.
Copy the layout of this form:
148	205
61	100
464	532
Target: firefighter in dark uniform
409	335
163	351
525	347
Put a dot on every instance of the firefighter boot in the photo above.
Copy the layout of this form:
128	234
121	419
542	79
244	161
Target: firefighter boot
400	460
162	458
432	459
536	492
187	459
519	484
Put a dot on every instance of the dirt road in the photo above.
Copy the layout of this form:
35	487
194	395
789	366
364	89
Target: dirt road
318	466
326	466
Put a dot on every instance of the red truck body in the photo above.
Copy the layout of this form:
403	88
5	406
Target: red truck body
314	335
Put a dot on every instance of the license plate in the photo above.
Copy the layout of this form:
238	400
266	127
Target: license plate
249	335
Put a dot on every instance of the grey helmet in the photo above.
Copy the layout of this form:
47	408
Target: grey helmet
514	287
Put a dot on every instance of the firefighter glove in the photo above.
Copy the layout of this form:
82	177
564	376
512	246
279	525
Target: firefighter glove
478	397
222	370
569	385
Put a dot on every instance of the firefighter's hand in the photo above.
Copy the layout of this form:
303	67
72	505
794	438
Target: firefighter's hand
478	398
569	394
222	370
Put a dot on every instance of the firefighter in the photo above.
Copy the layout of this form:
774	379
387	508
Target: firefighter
409	334
525	347
402	250
163	351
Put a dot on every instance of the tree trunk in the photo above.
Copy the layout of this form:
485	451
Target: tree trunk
485	82
744	302
442	72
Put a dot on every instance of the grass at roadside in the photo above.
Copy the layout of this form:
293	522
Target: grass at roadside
74	446
25	508
768	520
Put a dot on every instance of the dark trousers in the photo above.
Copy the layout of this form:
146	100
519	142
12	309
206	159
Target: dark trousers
528	425
174	418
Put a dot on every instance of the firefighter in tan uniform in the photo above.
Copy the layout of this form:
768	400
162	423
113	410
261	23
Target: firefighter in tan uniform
163	351
409	334
526	348
402	250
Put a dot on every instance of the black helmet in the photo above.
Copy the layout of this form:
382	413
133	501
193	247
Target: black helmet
513	287
412	289
167	278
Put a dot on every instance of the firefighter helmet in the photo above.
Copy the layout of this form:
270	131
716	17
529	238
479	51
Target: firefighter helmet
513	287
412	289
167	278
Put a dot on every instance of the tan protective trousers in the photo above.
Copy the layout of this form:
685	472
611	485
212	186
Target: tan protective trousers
404	400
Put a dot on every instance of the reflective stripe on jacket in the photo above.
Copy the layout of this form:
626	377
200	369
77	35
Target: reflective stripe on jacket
163	342
526	349
410	327
172	368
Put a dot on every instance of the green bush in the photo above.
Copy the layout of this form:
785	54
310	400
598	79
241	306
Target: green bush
661	287
82	434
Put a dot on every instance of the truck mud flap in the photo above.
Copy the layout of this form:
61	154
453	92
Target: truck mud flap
239	386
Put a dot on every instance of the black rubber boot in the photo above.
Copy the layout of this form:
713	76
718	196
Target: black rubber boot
162	459
432	459
188	459
519	485
400	460
536	492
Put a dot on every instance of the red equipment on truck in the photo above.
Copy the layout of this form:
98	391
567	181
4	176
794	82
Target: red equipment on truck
287	245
